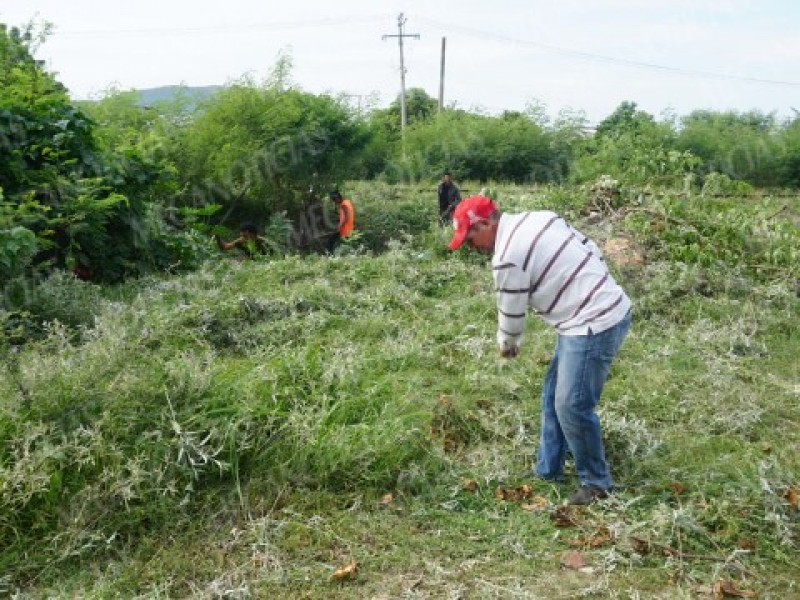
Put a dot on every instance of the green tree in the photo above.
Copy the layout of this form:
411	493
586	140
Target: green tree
634	148
510	147
385	124
626	119
740	145
789	143
46	146
257	149
85	190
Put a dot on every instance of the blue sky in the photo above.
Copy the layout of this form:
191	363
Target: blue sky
579	55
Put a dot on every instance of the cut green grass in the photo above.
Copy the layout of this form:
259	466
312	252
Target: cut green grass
247	429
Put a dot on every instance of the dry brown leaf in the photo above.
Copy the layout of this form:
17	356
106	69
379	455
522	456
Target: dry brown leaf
573	560
444	400
469	485
639	545
449	444
725	588
792	496
716	591
346	572
677	488
746	544
563	517
523	492
601	537
537	504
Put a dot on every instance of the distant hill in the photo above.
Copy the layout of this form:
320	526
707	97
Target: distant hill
196	94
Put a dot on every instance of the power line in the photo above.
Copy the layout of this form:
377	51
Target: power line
214	29
610	59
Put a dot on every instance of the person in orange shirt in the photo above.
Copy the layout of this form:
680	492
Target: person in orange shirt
347	219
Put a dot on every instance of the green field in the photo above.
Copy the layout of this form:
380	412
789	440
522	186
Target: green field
249	428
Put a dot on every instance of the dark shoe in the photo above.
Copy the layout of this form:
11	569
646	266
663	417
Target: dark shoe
586	494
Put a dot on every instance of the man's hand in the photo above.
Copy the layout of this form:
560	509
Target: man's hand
509	352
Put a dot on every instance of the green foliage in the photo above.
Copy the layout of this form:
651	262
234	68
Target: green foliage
278	233
265	408
789	143
740	145
634	149
721	233
626	119
84	196
420	107
257	149
510	148
17	248
719	184
64	298
384	213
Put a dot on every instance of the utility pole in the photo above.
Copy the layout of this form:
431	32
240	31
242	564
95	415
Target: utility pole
359	96
401	21
441	77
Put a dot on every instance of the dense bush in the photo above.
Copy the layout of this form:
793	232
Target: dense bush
743	146
478	147
258	149
85	190
386	212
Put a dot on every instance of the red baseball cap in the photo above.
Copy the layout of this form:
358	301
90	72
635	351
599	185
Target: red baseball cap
468	212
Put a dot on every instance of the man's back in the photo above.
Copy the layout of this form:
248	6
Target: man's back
542	261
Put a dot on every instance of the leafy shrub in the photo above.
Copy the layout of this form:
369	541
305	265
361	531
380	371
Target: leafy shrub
379	223
279	233
18	245
719	184
64	298
257	148
720	232
85	201
477	147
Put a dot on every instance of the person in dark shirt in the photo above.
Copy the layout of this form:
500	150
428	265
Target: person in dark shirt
449	197
249	242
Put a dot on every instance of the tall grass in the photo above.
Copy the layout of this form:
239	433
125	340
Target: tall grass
262	410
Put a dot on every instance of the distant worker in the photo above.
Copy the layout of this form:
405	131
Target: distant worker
249	242
449	197
347	219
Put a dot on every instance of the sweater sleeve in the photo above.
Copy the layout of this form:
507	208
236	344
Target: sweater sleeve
513	289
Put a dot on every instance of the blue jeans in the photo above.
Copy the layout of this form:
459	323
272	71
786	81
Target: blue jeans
571	391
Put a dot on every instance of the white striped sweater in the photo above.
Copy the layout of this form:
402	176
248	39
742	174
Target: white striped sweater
542	262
